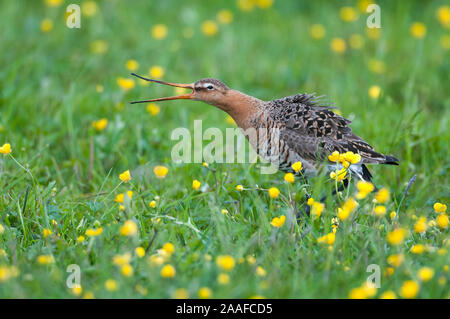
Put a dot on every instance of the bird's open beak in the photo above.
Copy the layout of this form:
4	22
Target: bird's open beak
178	97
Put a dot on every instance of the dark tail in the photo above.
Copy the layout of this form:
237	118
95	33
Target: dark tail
391	160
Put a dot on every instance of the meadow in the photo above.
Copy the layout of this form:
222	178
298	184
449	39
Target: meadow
87	179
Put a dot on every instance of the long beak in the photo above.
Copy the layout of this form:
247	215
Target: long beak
188	96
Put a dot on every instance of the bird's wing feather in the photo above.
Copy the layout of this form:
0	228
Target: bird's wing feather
314	131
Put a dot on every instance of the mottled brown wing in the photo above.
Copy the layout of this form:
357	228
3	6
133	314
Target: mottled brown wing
314	131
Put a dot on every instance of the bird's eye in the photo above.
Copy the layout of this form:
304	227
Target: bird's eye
210	87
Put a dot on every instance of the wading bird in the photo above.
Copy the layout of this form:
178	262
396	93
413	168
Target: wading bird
307	131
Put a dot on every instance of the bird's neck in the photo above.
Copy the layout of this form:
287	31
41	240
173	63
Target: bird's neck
241	107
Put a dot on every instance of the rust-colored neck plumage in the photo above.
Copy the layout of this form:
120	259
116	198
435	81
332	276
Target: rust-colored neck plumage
241	107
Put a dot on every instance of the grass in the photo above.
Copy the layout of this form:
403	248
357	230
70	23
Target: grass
64	170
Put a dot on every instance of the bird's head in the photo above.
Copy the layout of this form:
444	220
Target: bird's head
210	91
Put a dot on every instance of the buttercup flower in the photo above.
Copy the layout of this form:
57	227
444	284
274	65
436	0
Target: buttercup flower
5	149
380	210
168	271
327	239
140	252
93	232
152	204
395	260
425	274
297	166
159	31
125	176
364	188
374	91
45	259
443	15
274	192
223	279
260	271
127	270
53	3
209	28
278	221
421	225
382	196
418	30
289	177
120	197
89	8
120	260
225	16
156	72
317	31
111	285
129	228
417	249
125	84
339	175
226	262
317	209
100	124
46	232
132	65
153	109
169	248
338	45
196	184
439	207
442	221
396	236
409	289
348	14
204	293
46	25
389	294
160	171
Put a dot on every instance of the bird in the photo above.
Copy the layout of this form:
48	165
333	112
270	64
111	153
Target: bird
308	130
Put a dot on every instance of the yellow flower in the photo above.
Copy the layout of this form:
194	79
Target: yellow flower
348	14
246	5
374	91
289	177
111	285
181	293
389	294
168	271
357	293
45	259
120	197
204	293
377	66
89	8
396	236
47	232
339	175
77	290
80	239
99	47
132	65
297	166
152	204
91	232
129	228
373	33
364	188
317	31
264	4
260	271
380	210
226	262
421	225
439	207
392	215
156	72
442	221
382	196
100	124
125	176
125	84
417	249
338	45
278	221
159	31
223	279
443	15
317	209
153	109
46	25
418	30
120	260
169	248
5	149
196	184
209	28
356	41
425	274
225	16
239	188
334	157
409	289
53	3
127	270
160	171
352	157
274	192
224	211
251	260
140	252
395	260
346	209
2	230
310	201
327	239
